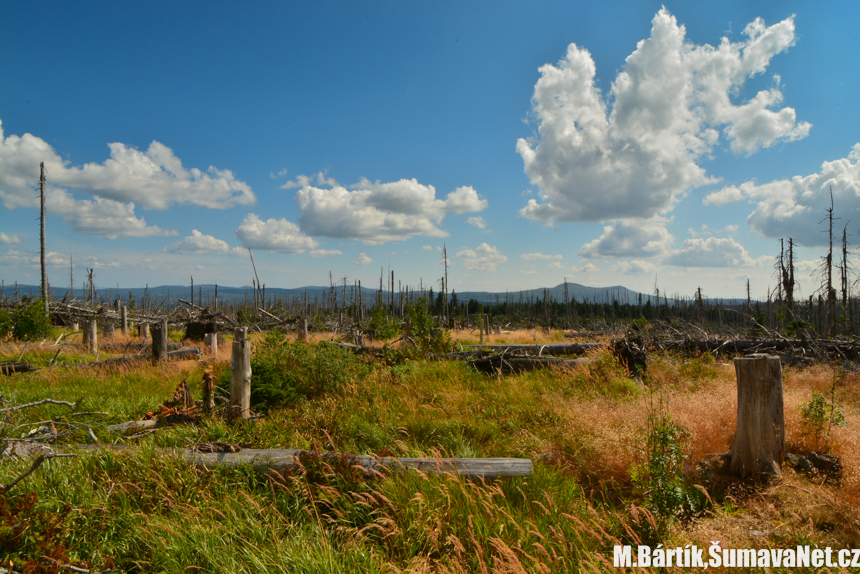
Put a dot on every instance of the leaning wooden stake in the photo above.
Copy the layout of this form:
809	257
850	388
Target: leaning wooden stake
240	375
759	446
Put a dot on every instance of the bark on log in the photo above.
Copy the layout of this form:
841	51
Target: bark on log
759	445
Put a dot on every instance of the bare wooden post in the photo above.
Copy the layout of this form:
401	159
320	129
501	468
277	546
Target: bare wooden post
123	313
303	329
211	342
143	330
159	341
487	326
75	326
759	446
109	328
240	375
481	327
91	336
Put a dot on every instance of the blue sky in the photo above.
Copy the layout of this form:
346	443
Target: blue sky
610	144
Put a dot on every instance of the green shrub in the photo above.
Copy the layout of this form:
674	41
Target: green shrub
659	477
423	331
819	416
31	321
384	327
6	323
286	370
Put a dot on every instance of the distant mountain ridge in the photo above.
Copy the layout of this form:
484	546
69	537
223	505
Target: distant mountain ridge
206	293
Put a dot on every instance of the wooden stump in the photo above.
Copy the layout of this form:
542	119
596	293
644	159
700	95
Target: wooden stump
123	313
240	375
759	446
143	331
211	343
91	336
108	332
159	341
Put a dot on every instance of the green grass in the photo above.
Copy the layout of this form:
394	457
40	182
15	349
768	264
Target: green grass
144	511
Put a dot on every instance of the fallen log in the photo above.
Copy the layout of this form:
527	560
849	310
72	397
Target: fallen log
540	350
291	460
9	368
503	363
193	353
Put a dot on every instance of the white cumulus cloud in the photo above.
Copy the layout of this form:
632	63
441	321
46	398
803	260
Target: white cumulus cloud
379	212
363	259
794	208
273	235
477	222
482	258
634	152
154	179
630	238
711	252
197	242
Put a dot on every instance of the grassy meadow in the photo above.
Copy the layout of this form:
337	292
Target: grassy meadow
617	460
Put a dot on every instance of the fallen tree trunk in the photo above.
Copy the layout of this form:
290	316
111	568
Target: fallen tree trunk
9	368
549	349
291	460
193	353
503	363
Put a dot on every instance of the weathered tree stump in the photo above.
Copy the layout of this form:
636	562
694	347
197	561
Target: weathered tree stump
211	344
759	446
143	331
91	336
240	375
159	341
108	331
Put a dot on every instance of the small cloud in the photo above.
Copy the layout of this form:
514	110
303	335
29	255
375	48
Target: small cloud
482	258
529	272
539	256
427	248
200	243
363	259
317	253
281	173
9	239
477	222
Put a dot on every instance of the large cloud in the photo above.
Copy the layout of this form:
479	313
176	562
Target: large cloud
667	107
630	238
482	258
379	212
154	179
273	235
794	208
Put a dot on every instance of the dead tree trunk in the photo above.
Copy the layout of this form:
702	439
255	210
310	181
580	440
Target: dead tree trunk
240	375
759	446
